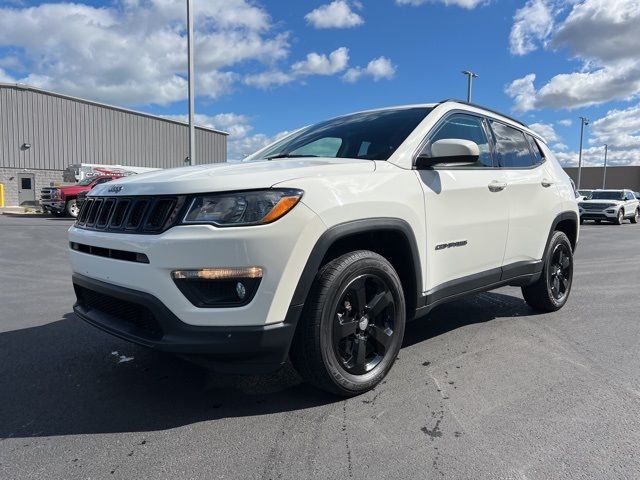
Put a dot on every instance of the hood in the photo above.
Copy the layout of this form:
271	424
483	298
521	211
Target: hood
70	189
601	202
223	177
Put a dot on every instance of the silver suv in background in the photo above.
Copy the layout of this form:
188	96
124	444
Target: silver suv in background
611	206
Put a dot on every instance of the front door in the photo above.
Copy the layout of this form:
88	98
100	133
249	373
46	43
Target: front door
467	212
26	189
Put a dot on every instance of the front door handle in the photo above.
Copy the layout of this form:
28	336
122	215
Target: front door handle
546	183
496	186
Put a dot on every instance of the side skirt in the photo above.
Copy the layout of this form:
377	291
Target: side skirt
516	274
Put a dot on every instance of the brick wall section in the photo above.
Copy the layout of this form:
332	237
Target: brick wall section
9	177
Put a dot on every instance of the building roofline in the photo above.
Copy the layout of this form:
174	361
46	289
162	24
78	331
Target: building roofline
24	86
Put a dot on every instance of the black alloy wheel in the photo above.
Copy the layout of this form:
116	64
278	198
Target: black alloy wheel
560	271
364	324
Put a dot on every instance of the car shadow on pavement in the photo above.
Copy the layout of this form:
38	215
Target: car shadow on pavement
67	378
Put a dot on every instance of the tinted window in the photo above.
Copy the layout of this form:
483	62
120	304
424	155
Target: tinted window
535	150
512	149
382	132
465	127
607	195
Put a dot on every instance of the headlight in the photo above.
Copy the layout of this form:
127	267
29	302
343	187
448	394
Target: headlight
256	207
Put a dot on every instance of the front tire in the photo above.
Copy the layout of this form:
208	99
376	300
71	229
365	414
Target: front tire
72	208
635	217
620	217
352	324
551	291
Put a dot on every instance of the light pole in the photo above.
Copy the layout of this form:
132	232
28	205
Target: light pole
583	121
604	176
190	80
470	76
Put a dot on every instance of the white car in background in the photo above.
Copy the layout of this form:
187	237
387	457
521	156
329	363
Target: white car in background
611	206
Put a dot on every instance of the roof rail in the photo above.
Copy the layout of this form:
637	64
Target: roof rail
484	108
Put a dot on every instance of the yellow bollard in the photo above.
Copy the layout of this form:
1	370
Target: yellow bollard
1	195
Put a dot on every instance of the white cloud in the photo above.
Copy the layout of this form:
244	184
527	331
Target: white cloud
566	122
337	14
604	35
620	130
134	52
602	30
560	146
579	89
523	92
546	131
320	64
531	24
241	141
379	68
5	77
268	79
459	3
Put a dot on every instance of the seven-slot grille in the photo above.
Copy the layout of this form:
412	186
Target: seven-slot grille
129	214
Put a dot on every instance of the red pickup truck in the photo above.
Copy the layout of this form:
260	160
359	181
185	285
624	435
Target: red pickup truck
61	201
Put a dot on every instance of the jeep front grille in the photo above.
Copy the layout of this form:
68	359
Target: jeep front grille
130	214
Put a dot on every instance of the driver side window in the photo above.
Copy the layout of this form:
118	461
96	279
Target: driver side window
465	127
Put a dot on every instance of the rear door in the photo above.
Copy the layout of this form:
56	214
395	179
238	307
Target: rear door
466	210
532	193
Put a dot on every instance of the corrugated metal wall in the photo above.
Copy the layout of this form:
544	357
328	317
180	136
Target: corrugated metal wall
63	131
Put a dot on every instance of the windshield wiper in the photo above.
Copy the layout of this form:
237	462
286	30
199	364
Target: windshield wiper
288	155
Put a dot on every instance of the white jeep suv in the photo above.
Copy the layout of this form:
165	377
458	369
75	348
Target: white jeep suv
610	205
321	246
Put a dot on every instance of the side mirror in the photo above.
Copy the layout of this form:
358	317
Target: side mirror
450	150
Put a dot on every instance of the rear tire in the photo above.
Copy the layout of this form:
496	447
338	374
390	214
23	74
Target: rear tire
551	291
352	325
635	217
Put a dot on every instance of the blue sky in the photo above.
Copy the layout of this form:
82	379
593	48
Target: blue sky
266	67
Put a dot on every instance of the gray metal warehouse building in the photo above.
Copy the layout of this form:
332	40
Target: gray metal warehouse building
43	132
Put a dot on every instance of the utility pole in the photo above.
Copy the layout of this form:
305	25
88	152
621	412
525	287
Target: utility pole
604	177
583	121
190	80
470	76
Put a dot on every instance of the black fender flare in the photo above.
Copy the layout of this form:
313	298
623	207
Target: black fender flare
567	215
343	230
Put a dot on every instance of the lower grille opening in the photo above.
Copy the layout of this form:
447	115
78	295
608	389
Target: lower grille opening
129	313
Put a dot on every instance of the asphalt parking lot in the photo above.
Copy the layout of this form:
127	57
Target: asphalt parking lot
483	388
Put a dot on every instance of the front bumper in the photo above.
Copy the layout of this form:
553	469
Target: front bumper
609	214
143	319
55	206
281	249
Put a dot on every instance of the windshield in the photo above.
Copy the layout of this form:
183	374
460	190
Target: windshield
367	135
615	195
86	181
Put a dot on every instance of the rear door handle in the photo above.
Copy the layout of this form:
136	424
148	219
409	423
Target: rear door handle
546	183
496	186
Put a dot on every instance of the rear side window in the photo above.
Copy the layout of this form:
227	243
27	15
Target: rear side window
538	157
512	148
